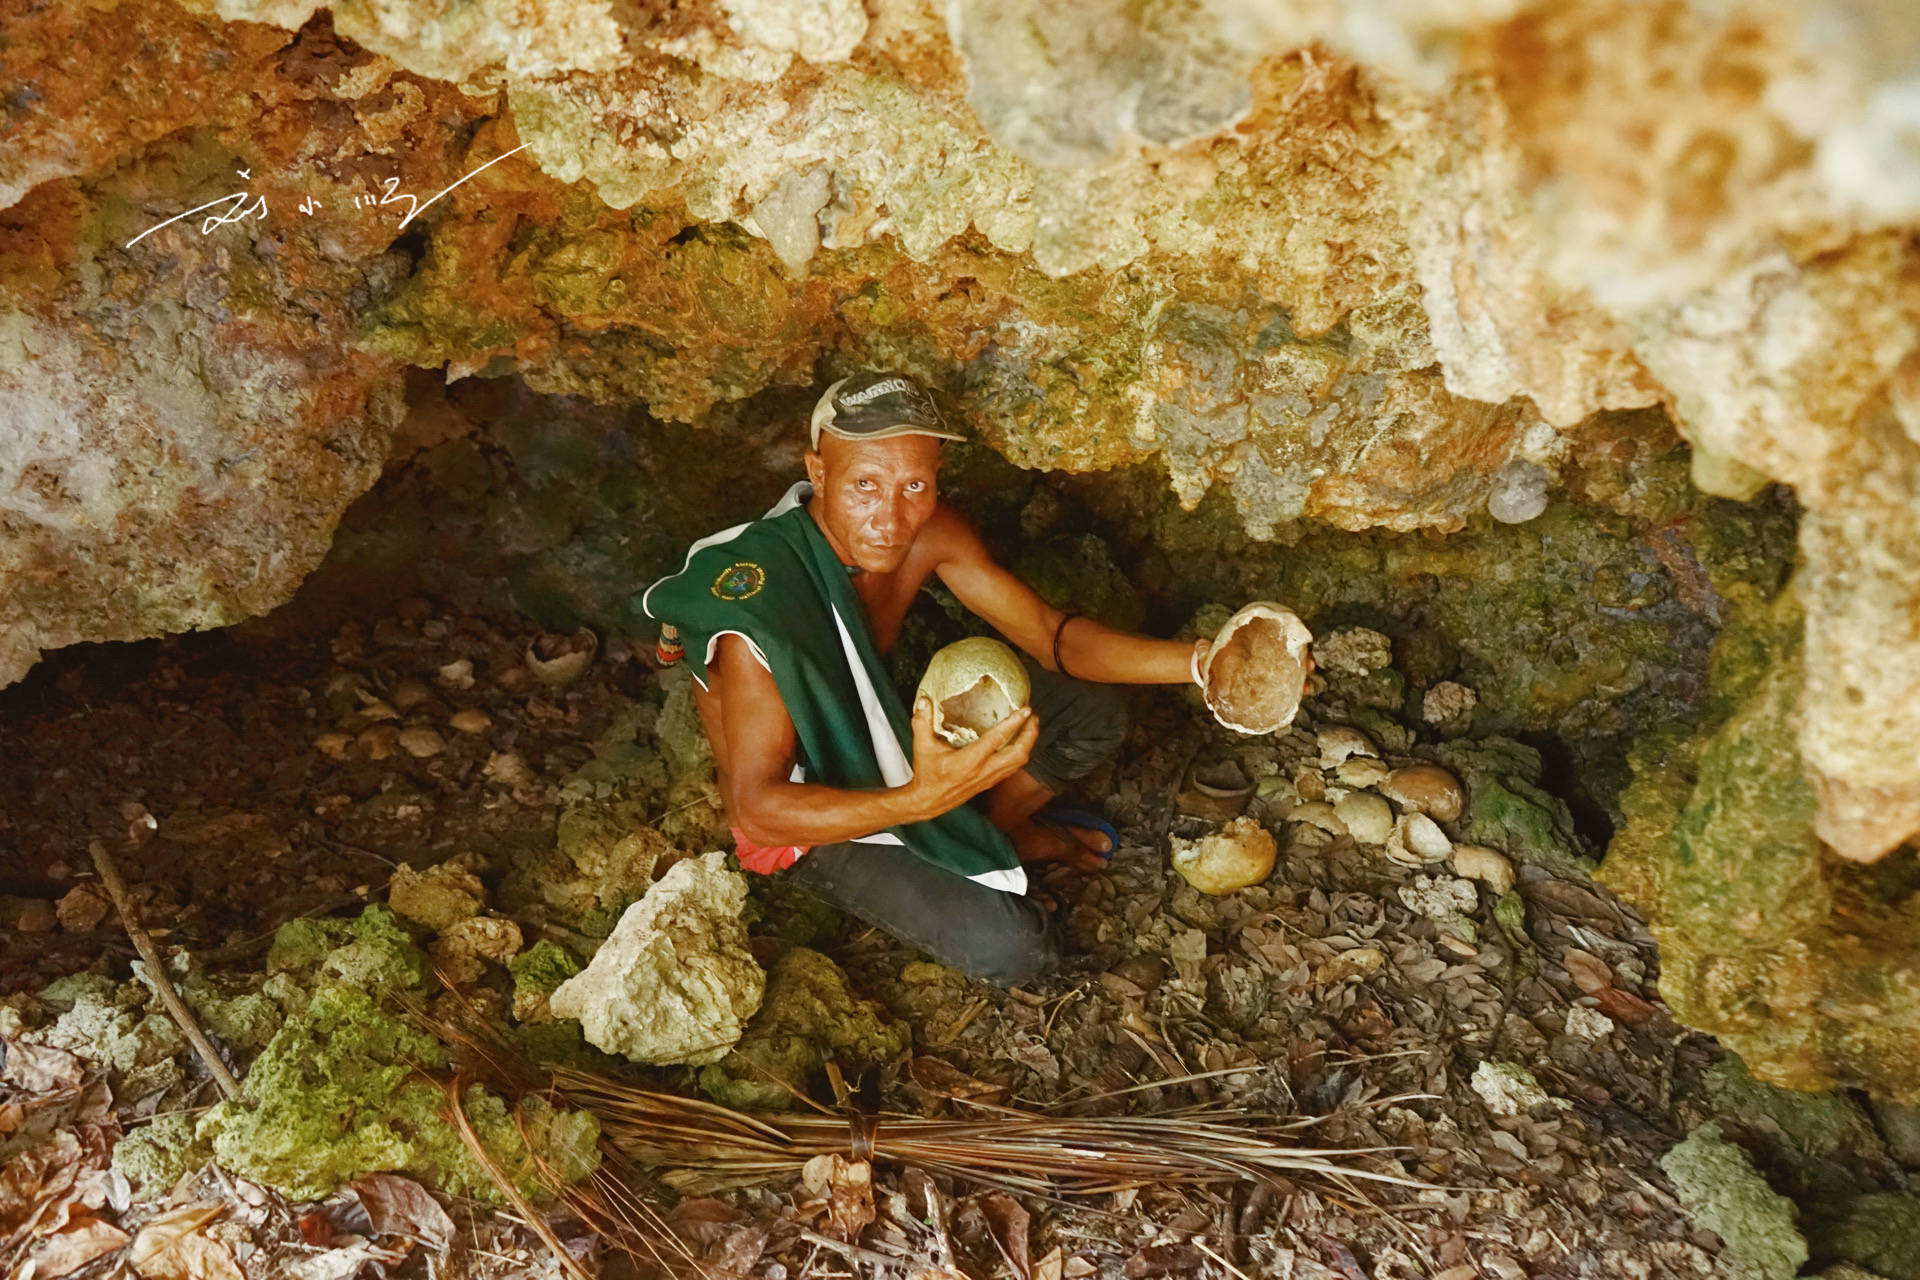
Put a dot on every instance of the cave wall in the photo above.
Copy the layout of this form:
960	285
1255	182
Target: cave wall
1388	269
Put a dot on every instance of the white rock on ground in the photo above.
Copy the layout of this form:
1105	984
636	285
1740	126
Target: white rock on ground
674	982
1508	1088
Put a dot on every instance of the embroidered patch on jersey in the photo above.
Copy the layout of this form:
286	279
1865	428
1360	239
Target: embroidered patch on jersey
740	582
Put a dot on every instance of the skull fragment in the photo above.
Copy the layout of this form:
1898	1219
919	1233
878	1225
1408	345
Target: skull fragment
973	684
1256	668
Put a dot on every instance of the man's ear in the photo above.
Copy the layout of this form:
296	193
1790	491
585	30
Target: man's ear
816	468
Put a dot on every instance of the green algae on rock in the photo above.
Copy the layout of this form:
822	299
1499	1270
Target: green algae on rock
371	951
1880	1231
536	972
807	1018
1806	966
340	1092
1717	1183
159	1153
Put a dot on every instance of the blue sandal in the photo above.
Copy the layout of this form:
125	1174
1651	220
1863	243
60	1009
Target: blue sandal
1060	815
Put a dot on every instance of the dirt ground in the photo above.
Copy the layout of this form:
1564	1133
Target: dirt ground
1320	992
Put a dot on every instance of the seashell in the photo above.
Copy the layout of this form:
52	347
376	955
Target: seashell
408	694
1425	788
1310	785
472	720
1253	673
1361	771
1489	866
1340	742
557	661
1316	813
1237	855
1369	819
973	684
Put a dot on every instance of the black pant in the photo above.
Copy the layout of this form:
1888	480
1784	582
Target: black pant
985	933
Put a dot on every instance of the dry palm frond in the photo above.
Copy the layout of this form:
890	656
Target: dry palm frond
696	1146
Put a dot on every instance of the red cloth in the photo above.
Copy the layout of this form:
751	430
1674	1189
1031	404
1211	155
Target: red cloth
765	858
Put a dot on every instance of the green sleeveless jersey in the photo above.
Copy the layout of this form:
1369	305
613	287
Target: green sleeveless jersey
777	584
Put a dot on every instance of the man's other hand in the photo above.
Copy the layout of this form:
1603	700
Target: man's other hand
944	777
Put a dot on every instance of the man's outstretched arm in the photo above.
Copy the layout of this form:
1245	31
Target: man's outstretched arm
1088	650
760	746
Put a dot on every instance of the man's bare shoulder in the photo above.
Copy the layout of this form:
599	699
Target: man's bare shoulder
948	537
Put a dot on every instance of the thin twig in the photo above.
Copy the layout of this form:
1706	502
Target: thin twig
157	972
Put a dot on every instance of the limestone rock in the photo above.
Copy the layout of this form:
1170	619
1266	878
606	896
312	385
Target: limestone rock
1508	1088
437	897
1438	897
808	1018
1717	1183
1354	651
674	982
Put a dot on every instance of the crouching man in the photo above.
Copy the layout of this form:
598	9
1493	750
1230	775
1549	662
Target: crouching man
827	777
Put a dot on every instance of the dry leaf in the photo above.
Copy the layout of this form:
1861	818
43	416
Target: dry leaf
39	1068
1588	971
1008	1222
1052	1266
84	1240
1624	1006
400	1206
846	1187
171	1247
345	1262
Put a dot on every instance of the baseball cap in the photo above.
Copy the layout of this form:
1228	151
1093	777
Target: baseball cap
873	406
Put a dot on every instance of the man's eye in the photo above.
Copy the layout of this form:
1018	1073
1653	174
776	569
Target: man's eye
864	484
915	486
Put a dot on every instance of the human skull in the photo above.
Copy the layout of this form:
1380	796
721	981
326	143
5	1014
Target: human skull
1254	672
973	684
1237	855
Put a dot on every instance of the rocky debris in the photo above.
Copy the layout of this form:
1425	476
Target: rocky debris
674	981
807	1019
438	897
337	1092
537	972
1237	855
1507	1088
1447	704
1716	1181
463	948
1355	651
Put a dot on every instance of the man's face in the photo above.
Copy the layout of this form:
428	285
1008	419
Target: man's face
874	495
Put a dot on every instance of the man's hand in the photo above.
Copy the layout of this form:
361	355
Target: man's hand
944	777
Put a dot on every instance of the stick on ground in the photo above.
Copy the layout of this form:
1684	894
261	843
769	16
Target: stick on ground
156	971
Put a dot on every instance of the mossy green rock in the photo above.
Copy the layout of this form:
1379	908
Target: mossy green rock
340	1091
1509	810
536	972
371	951
158	1154
1807	966
1880	1232
807	1017
1721	1191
